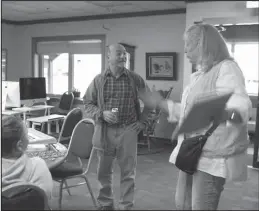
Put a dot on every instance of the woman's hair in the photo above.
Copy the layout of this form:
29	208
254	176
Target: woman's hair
208	44
13	130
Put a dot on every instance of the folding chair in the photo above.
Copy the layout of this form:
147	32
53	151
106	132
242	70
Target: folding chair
24	196
70	121
81	147
150	130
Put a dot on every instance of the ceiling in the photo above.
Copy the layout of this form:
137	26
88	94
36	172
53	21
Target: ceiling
41	10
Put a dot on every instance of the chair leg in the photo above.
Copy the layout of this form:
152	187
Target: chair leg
60	195
148	142
90	191
67	188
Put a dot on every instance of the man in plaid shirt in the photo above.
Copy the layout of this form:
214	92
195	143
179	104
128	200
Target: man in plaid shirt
116	134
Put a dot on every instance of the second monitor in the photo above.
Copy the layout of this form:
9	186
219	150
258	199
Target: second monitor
32	90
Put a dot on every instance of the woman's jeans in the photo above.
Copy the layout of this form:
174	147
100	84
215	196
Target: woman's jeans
200	191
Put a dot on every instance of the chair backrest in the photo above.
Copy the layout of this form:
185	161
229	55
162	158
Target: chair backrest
158	111
81	139
70	121
24	196
66	101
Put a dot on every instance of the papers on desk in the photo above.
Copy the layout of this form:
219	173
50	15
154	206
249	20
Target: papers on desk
37	147
37	137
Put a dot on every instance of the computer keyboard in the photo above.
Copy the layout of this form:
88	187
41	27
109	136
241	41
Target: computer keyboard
49	155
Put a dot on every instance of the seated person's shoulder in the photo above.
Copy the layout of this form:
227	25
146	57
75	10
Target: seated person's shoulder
39	163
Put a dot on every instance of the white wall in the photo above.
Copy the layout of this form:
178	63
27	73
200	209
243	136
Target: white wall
148	34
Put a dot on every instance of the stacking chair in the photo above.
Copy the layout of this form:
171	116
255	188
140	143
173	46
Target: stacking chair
81	147
66	103
70	121
150	130
24	196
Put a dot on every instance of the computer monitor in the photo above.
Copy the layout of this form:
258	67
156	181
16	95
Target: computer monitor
10	94
32	90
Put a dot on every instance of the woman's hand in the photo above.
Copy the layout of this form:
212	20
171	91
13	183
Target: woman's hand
150	99
231	115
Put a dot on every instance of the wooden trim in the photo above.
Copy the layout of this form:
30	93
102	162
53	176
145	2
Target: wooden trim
98	17
35	40
256	138
193	1
10	22
239	33
70	72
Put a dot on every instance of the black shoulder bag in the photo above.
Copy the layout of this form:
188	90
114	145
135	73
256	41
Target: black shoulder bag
190	151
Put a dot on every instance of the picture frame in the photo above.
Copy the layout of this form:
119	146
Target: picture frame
161	66
4	64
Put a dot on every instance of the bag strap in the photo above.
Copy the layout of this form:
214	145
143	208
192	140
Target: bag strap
212	129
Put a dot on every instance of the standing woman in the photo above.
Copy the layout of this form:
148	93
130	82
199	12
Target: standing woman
223	155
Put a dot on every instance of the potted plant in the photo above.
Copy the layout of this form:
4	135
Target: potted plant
76	93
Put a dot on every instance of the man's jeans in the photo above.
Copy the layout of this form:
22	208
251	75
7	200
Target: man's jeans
122	143
200	191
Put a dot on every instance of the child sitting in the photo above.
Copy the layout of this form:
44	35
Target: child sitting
16	165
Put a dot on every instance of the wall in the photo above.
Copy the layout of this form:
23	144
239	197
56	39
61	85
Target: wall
148	34
10	42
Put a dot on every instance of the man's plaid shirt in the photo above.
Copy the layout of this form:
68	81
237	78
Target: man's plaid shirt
119	94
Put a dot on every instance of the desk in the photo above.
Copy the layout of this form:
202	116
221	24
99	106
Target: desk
24	110
59	160
49	146
32	151
47	119
11	112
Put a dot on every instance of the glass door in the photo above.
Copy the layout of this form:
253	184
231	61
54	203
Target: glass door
85	68
55	68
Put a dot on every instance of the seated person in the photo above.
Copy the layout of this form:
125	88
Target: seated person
16	165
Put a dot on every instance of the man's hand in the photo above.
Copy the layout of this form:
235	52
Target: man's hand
110	117
138	126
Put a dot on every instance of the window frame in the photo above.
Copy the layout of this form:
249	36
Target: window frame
233	43
38	59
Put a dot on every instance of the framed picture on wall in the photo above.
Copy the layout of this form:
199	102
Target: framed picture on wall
161	66
4	64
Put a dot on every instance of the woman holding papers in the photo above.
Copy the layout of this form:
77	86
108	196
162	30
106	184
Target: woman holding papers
223	155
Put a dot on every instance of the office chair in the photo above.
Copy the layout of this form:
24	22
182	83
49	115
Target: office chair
24	196
81	147
70	121
150	130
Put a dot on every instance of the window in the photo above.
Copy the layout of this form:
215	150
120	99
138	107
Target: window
58	74
69	63
86	67
248	64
